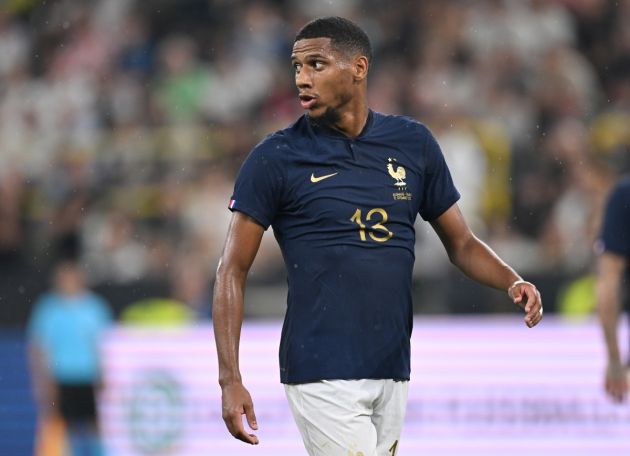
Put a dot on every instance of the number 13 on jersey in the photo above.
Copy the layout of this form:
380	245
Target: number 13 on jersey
377	231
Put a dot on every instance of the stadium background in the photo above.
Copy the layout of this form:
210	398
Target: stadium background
123	124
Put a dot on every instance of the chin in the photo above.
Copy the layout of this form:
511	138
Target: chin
316	113
325	115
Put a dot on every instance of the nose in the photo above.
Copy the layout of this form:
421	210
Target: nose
303	79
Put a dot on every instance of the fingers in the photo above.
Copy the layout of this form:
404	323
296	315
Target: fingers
617	389
251	416
615	392
234	422
528	297
534	317
236	403
616	382
533	310
515	292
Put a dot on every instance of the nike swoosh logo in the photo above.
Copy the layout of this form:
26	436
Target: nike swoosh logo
321	178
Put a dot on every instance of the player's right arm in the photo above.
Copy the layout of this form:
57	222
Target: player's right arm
242	243
611	268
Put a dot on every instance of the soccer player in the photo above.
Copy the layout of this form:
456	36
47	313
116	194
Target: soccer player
613	261
342	187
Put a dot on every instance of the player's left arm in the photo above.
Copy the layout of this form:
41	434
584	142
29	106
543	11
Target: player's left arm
479	262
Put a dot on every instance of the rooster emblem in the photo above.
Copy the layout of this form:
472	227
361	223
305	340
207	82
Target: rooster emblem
398	174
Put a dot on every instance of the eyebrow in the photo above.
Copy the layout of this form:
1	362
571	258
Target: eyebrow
316	55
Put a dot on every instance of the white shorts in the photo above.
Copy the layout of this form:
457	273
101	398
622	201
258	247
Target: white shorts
349	417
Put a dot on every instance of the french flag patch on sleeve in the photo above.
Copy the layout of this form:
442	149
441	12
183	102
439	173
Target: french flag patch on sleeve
232	204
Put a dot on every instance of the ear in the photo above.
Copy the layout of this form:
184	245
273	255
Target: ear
360	68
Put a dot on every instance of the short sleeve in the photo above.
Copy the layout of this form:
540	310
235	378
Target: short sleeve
615	234
260	182
439	192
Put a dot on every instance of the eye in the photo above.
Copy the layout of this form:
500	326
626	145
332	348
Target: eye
318	64
296	66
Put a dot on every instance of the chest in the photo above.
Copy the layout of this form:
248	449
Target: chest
345	180
68	322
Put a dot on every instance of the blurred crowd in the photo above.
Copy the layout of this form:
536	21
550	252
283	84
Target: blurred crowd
123	123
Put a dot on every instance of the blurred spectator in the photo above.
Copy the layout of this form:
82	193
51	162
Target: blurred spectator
571	227
68	190
64	332
190	284
188	299
136	47
14	45
12	188
113	252
184	82
157	312
467	161
203	214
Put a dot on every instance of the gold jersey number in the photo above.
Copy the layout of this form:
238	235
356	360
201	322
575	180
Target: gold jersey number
377	231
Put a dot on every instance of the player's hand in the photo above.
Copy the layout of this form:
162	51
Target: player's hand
527	297
236	402
616	382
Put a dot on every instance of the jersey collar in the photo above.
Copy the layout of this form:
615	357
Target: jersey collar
325	130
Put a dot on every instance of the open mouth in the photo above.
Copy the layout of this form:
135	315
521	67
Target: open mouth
307	101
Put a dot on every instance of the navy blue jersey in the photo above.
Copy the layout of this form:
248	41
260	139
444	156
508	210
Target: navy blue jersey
343	212
615	235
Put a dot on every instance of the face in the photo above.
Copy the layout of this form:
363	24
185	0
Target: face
68	279
325	78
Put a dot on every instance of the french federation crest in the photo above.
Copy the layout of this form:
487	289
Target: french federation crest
399	174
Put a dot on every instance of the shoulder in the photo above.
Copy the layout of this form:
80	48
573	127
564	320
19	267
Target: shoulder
42	311
616	219
272	149
269	154
623	186
398	124
619	197
272	144
281	141
46	302
411	135
276	148
95	298
98	306
618	204
98	301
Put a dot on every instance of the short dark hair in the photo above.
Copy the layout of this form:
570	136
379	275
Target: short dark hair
344	34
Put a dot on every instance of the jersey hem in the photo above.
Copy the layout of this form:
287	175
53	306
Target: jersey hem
251	213
357	377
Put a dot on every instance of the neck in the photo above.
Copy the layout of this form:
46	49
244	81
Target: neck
351	119
353	122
